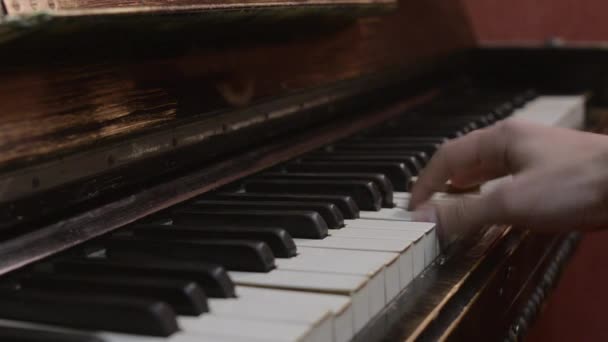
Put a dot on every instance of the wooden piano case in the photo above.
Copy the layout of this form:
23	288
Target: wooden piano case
165	104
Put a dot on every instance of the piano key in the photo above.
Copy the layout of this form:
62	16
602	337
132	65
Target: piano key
113	313
398	173
410	161
365	193
420	157
430	240
212	278
255	330
330	213
403	248
239	255
401	130
403	198
19	334
298	223
354	286
437	140
106	336
422	151
279	241
345	204
420	254
382	183
186	297
383	266
318	319
398	214
339	305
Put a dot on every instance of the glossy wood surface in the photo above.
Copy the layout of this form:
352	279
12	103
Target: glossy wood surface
52	102
78	228
88	7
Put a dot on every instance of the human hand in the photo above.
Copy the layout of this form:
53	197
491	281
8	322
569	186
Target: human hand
560	179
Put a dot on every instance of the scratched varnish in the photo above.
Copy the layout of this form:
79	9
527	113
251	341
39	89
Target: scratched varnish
53	108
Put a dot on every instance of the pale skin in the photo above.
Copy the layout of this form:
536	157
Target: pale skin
560	179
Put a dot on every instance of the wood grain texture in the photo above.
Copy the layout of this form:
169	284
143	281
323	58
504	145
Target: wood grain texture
56	103
90	7
57	236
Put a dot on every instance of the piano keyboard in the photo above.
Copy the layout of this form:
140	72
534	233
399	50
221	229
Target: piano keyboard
312	250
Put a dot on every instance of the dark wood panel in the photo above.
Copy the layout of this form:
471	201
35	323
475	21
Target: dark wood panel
477	291
52	103
81	7
78	228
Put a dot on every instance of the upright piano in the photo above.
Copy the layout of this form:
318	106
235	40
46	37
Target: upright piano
181	171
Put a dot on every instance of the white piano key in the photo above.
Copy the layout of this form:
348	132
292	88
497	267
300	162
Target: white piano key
354	286
420	259
387	214
224	327
113	336
402	202
430	240
318	319
404	249
338	305
381	265
180	337
561	111
376	291
401	195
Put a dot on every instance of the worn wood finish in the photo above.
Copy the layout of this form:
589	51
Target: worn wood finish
52	105
58	236
477	290
94	7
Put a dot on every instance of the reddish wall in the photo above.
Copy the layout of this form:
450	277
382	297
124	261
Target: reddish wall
576	310
537	20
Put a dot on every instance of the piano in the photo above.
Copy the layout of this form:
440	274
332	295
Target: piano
233	171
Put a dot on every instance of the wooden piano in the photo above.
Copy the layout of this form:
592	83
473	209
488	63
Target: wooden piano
237	170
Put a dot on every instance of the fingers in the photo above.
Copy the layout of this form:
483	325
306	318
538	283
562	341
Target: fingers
469	160
464	214
475	176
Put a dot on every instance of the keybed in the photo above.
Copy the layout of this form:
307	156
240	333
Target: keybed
313	250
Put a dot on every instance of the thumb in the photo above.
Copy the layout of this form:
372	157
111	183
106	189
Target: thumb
461	215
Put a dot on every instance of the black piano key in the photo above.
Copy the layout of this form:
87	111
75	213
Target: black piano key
382	183
237	255
212	278
415	159
437	140
410	161
398	173
345	204
400	131
365	193
420	149
298	223
14	334
330	213
110	313
186	297
277	239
